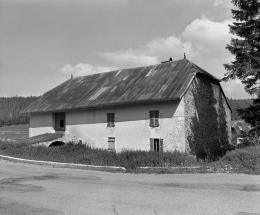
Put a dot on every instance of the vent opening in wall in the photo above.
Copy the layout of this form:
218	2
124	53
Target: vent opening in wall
111	143
156	144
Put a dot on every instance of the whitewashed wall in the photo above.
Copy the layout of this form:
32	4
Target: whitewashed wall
40	124
131	131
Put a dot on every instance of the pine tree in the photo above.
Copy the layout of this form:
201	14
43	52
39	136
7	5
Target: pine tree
246	45
251	114
246	49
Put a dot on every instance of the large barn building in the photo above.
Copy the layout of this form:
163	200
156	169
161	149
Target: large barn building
174	105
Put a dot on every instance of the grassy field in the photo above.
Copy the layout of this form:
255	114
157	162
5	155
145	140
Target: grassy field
14	132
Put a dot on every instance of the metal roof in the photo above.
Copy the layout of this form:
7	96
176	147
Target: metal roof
41	138
240	127
161	82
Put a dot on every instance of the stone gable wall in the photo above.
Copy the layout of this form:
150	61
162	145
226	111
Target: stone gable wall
207	119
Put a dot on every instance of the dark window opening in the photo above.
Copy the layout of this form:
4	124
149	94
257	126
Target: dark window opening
111	143
154	118
156	145
110	119
59	121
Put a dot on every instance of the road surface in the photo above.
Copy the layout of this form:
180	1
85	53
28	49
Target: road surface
30	189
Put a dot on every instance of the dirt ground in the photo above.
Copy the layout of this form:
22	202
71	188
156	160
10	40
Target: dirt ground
30	189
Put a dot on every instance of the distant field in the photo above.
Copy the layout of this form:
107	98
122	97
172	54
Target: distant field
14	131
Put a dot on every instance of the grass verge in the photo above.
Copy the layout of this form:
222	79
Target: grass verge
246	160
82	154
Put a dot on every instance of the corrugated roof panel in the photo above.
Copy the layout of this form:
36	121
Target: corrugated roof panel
166	81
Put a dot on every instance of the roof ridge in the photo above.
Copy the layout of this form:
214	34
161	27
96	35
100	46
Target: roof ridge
138	67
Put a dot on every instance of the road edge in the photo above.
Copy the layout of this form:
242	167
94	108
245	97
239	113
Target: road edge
63	165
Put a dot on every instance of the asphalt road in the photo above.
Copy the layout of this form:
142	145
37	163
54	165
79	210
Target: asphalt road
29	189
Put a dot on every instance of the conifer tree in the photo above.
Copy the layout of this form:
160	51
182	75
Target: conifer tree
245	46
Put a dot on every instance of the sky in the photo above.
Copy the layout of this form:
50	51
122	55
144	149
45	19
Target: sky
43	42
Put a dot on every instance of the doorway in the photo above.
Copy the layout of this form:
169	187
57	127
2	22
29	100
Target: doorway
59	120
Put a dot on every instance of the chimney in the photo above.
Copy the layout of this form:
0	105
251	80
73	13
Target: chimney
167	61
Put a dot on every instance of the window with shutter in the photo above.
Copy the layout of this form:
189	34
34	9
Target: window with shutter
156	145
154	118
110	119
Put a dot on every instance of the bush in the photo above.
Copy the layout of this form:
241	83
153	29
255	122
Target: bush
82	154
246	160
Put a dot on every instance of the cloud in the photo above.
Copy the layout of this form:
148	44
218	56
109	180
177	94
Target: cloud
135	57
82	69
153	52
218	2
202	37
209	38
224	3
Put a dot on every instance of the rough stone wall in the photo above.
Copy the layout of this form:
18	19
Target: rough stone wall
175	138
207	119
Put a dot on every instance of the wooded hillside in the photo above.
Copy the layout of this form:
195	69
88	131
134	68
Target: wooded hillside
10	108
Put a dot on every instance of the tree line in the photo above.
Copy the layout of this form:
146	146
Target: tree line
10	108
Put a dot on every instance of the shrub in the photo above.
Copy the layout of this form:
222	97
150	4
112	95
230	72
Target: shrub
246	160
82	154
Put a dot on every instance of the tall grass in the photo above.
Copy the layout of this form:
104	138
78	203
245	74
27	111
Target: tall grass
82	154
245	160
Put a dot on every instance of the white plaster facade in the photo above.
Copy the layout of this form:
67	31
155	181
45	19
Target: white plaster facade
131	131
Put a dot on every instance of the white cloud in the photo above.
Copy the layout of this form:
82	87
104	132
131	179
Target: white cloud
202	37
208	37
130	56
224	3
152	53
82	69
204	30
218	2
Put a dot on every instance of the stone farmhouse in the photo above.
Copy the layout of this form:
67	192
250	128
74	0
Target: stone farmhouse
174	105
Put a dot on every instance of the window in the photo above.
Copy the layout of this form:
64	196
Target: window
154	118
111	143
110	119
156	145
